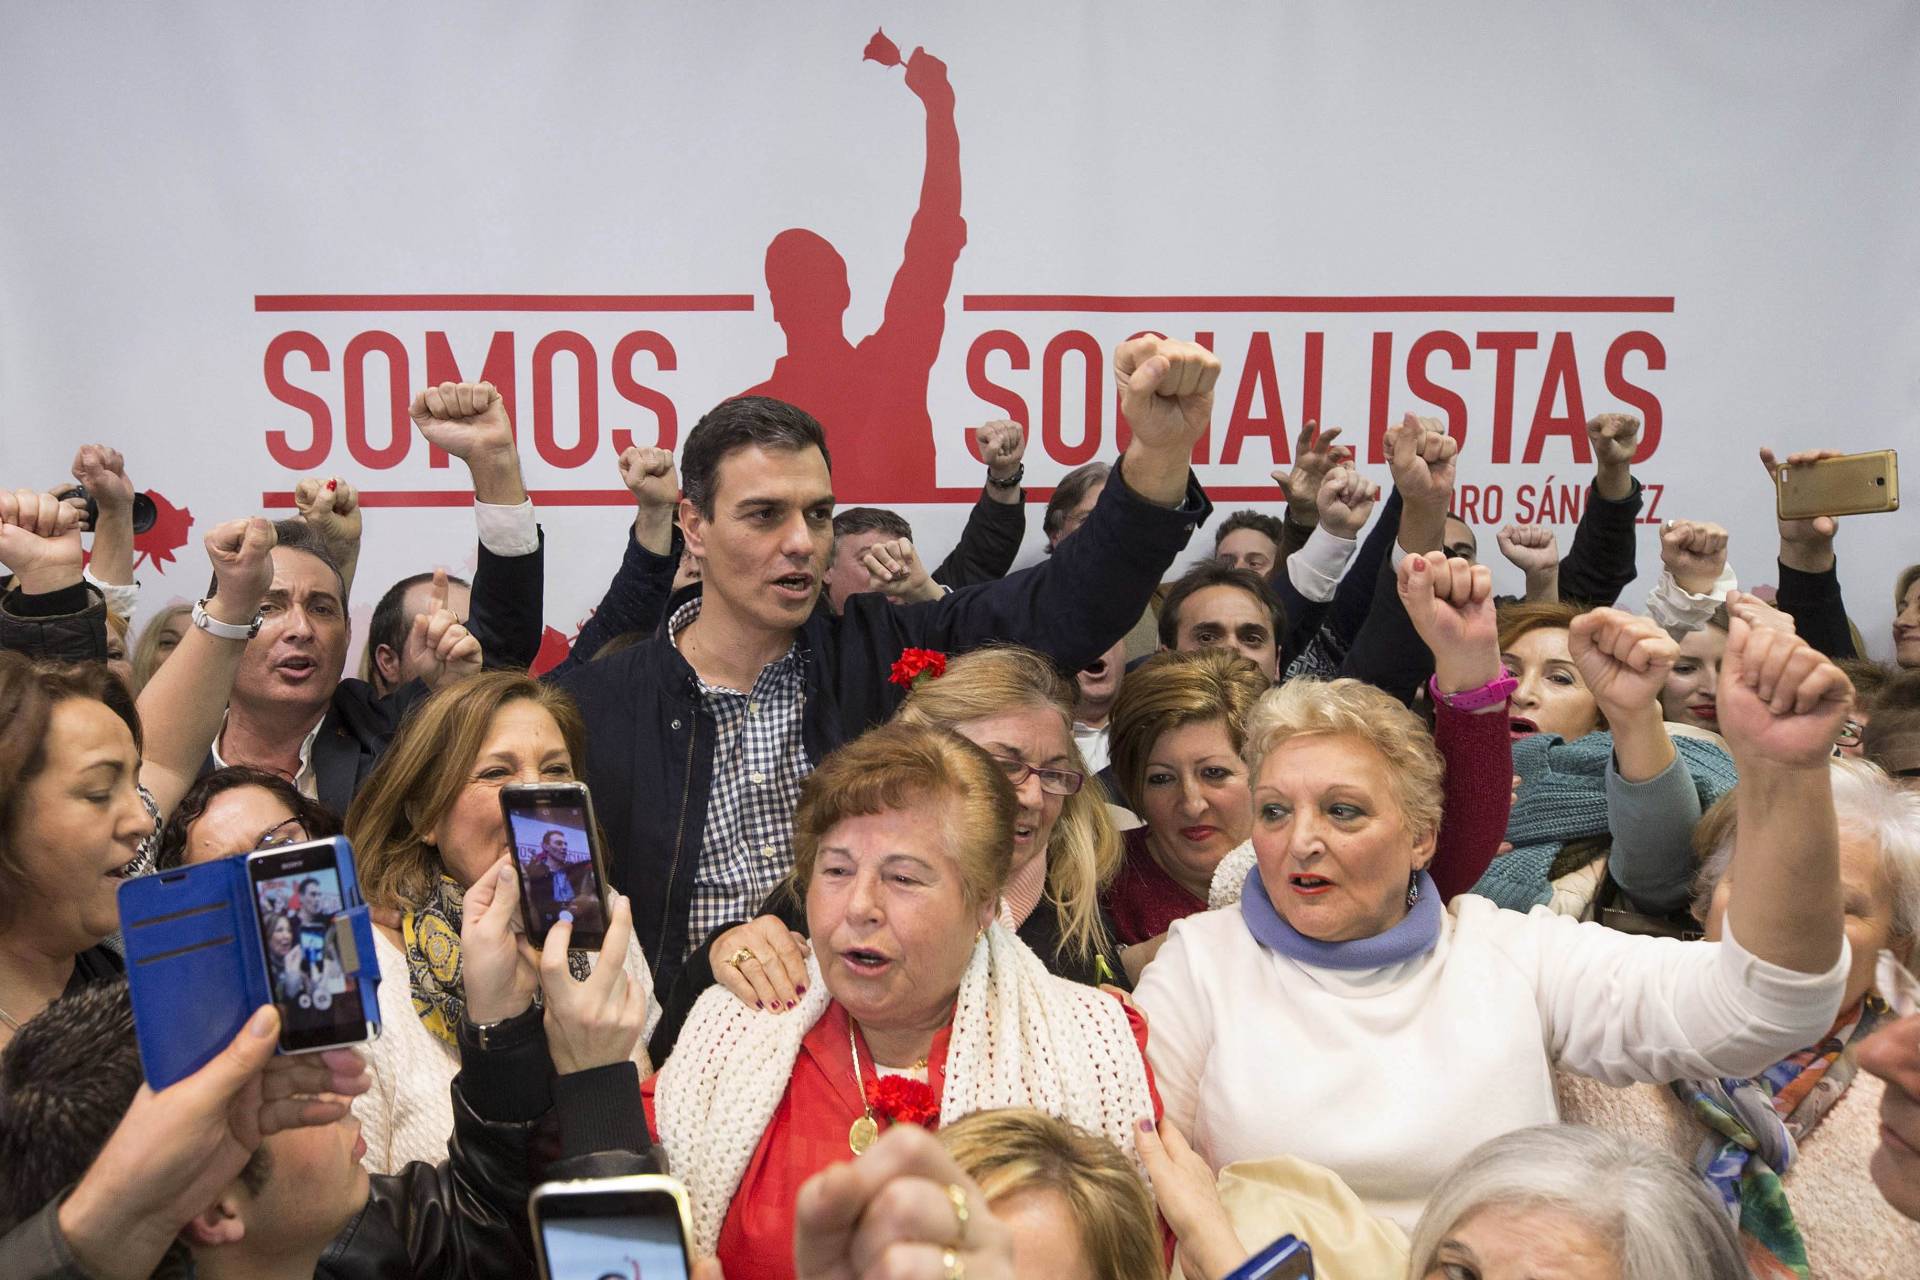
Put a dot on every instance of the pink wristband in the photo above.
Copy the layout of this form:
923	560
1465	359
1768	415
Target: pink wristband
1491	694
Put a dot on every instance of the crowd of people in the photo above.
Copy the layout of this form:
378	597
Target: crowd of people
1100	918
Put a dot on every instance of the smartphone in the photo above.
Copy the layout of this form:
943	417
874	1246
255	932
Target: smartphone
297	899
1287	1258
634	1228
556	847
1852	485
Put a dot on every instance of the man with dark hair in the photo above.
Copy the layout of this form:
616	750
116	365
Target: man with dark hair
1216	606
1249	540
301	1203
291	713
1072	501
700	736
387	662
870	538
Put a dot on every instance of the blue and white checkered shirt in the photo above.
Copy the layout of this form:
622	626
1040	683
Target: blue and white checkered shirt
759	760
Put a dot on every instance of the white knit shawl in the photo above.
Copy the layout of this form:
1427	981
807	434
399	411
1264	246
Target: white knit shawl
1021	1038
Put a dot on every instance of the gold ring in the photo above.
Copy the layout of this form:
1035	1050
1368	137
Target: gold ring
741	956
961	1213
956	1268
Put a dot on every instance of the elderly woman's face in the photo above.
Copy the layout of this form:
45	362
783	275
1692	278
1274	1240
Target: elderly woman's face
1523	1242
80	823
1035	736
1334	850
523	744
888	917
1691	696
1195	801
1551	698
1867	895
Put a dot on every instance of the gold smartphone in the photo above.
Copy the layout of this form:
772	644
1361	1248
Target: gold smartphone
1851	485
601	1228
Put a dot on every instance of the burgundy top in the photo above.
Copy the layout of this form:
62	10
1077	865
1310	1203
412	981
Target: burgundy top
1144	900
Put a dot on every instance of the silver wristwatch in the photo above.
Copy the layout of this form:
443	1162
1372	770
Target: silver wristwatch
225	630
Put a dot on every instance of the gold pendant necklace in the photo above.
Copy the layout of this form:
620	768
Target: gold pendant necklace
865	1129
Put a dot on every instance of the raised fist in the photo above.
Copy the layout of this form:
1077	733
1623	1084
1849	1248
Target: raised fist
464	418
40	540
1756	612
649	476
103	473
1003	445
1421	453
1614	437
1314	454
241	552
1623	657
1450	603
1781	700
1694	553
1530	548
1166	390
440	649
896	571
332	507
1345	501
927	77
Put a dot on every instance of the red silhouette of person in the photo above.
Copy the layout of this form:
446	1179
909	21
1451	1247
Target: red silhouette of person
872	398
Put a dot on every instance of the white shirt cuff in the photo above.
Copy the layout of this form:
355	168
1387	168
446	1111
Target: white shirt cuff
1680	611
121	597
507	531
1316	567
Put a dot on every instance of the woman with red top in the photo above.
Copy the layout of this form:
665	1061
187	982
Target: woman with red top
1178	727
919	1005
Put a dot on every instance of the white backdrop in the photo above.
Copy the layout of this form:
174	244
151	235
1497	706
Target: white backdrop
1716	207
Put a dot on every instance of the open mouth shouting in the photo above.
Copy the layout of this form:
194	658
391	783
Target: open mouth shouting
298	668
795	588
1308	885
1521	726
1095	669
865	962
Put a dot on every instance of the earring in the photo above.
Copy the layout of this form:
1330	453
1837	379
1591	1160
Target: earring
1413	888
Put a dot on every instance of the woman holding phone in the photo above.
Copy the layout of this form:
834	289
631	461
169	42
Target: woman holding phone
425	826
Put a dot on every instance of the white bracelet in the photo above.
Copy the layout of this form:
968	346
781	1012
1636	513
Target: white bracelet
225	630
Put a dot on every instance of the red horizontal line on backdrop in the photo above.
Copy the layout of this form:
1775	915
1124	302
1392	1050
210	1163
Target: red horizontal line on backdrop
503	302
1538	304
282	500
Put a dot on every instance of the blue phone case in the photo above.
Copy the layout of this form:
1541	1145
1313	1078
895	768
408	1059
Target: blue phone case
195	966
1287	1258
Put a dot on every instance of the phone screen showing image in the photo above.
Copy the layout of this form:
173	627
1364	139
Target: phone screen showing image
613	1248
559	880
297	898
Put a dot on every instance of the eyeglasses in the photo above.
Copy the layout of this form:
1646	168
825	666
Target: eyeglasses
285	832
1850	733
1059	782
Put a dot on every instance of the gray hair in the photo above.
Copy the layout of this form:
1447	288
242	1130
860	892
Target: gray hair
1657	1214
1867	803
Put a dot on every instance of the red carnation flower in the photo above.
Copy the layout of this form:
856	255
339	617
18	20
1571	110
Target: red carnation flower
904	1100
916	664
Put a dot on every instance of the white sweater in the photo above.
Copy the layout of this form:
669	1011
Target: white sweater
1389	1076
408	1113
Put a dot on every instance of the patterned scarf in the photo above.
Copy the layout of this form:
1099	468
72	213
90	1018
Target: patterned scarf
431	936
1754	1131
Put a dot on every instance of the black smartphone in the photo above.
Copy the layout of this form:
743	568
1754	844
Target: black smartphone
297	897
1287	1258
556	847
634	1228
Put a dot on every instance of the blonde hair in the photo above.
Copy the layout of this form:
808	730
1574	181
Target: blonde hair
1015	1150
146	650
422	774
1355	709
1171	690
1083	854
895	765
